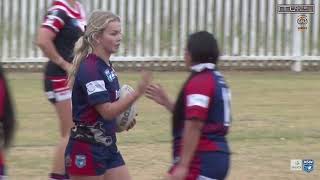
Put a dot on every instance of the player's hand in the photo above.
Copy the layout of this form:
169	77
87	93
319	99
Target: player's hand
146	77
179	173
157	93
67	66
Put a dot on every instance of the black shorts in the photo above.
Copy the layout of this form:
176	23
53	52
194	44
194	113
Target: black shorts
56	88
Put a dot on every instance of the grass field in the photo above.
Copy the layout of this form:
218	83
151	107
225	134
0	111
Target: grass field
276	118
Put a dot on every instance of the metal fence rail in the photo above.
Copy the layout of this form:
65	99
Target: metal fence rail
158	28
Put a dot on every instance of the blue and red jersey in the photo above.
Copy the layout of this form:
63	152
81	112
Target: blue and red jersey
95	83
205	97
68	24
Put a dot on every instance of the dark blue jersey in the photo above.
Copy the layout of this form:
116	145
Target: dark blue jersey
68	24
95	83
205	97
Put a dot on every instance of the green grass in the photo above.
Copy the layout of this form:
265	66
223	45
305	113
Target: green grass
275	119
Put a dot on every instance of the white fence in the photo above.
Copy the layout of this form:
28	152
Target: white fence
157	29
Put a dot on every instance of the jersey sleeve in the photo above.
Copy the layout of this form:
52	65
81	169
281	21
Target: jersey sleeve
55	20
198	95
93	83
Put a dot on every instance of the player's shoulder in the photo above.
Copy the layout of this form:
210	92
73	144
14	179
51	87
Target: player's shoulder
88	64
91	65
61	7
200	83
201	78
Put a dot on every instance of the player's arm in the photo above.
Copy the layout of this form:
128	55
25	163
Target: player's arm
111	110
190	140
45	40
159	95
196	114
53	22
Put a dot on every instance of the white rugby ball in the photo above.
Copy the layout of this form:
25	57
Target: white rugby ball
125	118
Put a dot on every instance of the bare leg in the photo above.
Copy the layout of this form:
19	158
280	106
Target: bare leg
87	177
118	173
63	109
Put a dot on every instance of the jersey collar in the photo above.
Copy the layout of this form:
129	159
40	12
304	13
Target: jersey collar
200	67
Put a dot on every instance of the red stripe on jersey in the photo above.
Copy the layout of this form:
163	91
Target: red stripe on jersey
54	24
69	10
1	158
89	117
217	129
206	145
201	84
197	113
57	24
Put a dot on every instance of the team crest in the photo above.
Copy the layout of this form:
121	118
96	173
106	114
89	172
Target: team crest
110	75
80	161
308	165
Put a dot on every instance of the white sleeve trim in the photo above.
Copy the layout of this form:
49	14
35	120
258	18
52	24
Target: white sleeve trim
198	100
52	26
56	17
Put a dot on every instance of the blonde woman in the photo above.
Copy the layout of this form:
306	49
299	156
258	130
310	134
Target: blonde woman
60	29
92	153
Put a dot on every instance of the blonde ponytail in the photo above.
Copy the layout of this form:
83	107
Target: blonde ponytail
81	50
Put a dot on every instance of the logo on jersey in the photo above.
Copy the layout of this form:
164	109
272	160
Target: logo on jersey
80	161
95	86
308	165
111	75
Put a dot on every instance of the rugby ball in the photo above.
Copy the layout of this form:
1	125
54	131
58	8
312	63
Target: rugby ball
126	117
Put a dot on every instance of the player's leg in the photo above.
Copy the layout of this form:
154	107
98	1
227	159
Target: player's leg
86	177
116	168
117	173
60	96
63	109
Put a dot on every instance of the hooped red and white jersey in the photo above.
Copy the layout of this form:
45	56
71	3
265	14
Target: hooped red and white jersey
61	12
69	24
205	97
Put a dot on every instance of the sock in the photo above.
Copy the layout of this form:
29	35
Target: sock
55	176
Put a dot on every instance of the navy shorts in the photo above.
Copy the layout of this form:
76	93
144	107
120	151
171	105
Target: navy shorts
208	166
56	88
84	159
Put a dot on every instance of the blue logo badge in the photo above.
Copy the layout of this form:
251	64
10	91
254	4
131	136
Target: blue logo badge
308	165
110	75
80	161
